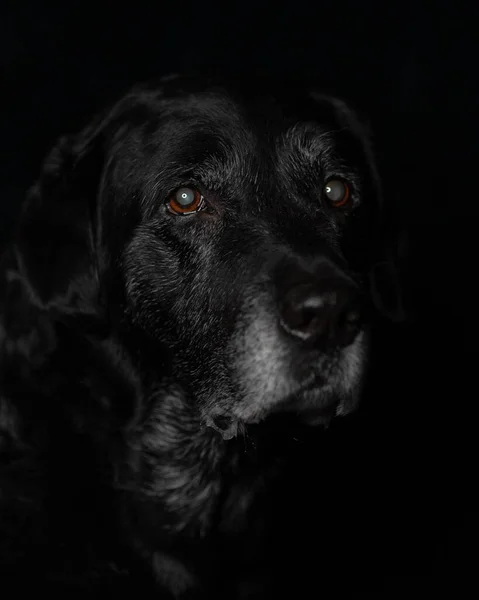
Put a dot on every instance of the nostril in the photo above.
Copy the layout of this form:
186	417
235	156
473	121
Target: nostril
346	325
308	310
300	310
353	317
329	316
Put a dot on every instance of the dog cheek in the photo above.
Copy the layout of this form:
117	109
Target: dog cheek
151	287
352	373
259	362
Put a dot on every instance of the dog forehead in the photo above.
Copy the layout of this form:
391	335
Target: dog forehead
217	121
225	138
260	113
191	127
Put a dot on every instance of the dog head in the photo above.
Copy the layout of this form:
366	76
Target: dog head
231	228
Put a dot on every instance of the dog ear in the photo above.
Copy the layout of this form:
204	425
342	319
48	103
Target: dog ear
56	243
386	243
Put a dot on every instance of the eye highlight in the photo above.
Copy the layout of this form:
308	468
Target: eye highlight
338	192
185	201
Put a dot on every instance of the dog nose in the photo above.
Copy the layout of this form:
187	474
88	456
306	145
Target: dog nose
322	313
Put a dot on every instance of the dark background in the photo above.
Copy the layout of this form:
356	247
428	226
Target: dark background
395	508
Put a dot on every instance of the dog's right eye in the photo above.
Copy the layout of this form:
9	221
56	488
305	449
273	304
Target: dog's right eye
186	201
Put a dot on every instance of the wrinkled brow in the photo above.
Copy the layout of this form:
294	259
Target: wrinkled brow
202	155
310	140
313	145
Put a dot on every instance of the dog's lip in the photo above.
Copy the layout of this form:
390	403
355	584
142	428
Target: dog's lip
320	415
307	411
226	425
229	426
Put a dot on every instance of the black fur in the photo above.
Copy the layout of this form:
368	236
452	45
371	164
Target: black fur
141	363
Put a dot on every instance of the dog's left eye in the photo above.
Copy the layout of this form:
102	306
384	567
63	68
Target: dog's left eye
185	201
337	192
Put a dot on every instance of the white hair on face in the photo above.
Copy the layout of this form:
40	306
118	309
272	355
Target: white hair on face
263	357
352	363
260	361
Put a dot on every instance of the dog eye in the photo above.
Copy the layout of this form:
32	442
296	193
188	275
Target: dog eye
185	201
337	192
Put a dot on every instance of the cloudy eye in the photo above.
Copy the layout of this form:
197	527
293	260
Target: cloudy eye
185	200
337	192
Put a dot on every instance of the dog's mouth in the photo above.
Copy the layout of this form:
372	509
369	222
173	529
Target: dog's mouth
301	409
320	416
310	395
230	426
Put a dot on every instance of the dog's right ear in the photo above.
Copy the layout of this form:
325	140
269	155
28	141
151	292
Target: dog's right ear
56	243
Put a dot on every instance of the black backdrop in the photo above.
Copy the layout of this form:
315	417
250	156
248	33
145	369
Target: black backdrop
402	509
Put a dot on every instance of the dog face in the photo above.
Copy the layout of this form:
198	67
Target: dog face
232	229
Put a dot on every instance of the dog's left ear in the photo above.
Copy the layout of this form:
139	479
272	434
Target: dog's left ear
386	243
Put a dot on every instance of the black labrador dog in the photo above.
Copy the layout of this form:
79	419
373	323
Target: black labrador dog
190	269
